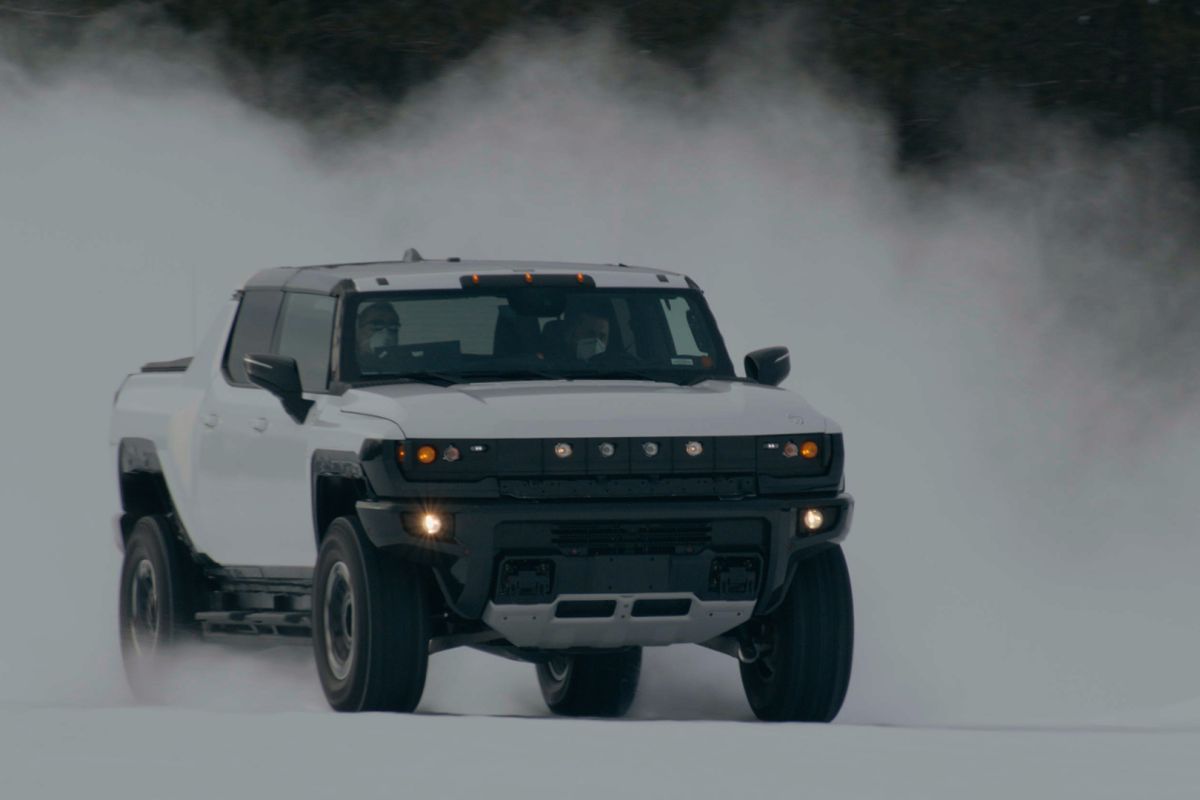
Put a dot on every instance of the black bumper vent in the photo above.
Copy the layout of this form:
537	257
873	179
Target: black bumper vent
584	609
671	607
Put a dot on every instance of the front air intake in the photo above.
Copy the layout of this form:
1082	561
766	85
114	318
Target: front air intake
671	607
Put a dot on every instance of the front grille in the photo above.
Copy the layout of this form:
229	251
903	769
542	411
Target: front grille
706	486
629	538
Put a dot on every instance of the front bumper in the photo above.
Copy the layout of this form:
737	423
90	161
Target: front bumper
529	558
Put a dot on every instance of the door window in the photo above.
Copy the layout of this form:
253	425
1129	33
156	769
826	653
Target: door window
305	334
252	331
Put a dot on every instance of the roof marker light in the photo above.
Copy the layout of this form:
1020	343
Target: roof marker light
579	277
529	277
475	279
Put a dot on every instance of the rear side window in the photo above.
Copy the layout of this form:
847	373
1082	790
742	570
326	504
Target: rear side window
252	331
305	334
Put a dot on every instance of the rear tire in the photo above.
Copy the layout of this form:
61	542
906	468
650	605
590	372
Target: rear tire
156	607
370	623
601	685
804	670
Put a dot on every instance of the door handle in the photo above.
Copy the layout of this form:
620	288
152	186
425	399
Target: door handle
210	420
259	424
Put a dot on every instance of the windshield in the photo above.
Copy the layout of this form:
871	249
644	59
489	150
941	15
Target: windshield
531	333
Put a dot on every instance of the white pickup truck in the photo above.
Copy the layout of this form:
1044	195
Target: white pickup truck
551	462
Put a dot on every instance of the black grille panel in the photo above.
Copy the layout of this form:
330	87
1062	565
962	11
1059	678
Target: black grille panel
617	488
599	538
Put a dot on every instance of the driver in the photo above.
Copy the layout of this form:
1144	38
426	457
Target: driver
377	329
585	332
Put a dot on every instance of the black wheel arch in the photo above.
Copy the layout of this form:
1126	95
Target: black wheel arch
143	488
338	483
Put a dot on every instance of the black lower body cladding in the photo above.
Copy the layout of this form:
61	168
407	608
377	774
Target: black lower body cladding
533	552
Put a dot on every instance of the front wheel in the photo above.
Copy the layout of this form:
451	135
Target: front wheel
370	623
806	646
601	685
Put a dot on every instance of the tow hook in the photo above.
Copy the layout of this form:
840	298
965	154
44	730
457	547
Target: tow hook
749	650
754	642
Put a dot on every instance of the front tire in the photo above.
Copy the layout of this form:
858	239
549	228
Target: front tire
601	685
157	606
370	624
807	646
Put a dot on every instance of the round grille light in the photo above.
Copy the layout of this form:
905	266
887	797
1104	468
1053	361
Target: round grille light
693	448
563	450
650	449
607	449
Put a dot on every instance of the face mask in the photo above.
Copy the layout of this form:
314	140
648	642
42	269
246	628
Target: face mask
383	339
588	348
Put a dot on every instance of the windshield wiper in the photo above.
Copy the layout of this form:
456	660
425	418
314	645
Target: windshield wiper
432	378
620	374
510	375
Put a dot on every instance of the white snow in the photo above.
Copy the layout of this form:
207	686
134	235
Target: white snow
181	753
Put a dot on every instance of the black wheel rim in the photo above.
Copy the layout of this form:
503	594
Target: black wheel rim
339	621
144	609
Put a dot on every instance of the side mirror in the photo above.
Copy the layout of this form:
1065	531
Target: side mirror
280	376
768	366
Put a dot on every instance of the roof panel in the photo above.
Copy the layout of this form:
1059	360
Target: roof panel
428	274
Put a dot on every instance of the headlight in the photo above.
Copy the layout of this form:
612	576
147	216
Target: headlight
813	519
431	524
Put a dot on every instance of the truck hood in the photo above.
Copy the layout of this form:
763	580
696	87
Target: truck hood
547	409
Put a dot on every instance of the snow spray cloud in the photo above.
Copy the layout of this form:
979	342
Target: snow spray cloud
1007	348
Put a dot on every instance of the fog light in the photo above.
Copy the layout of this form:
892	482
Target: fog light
813	519
431	524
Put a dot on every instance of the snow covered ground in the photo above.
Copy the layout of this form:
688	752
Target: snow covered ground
188	753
